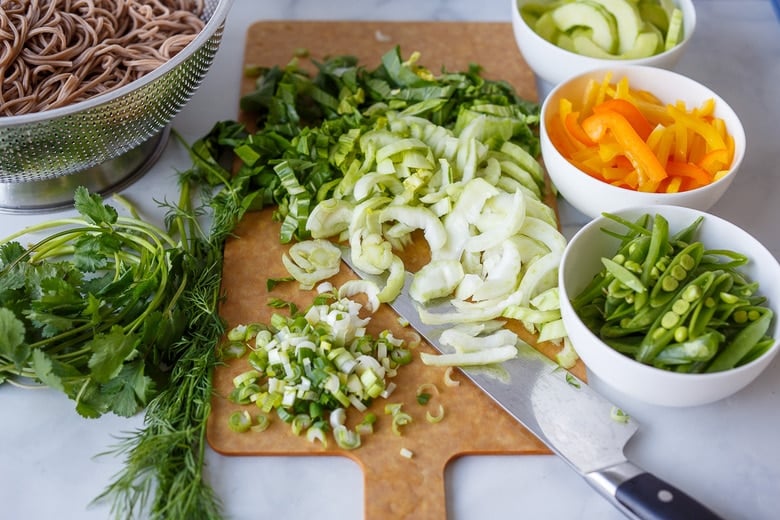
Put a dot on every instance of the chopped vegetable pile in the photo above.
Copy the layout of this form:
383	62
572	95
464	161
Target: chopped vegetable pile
394	151
666	300
310	367
629	138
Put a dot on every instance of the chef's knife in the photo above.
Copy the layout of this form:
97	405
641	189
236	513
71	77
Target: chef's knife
570	418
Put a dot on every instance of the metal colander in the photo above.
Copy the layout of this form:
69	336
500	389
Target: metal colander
105	142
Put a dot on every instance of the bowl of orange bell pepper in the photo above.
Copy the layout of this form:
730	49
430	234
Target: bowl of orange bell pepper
636	136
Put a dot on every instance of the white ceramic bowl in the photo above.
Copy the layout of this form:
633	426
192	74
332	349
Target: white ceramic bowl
592	196
552	64
581	261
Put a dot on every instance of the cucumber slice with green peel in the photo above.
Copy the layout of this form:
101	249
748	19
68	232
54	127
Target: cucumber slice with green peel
627	19
582	43
565	42
590	15
675	33
653	13
647	44
546	28
535	9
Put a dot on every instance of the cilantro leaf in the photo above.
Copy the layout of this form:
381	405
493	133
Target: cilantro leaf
13	272
92	208
45	370
49	324
93	251
109	352
12	332
130	390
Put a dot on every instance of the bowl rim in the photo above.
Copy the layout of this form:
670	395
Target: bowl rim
630	363
736	129
215	21
689	23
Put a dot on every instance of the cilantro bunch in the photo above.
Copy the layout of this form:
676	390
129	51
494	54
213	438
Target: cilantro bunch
91	309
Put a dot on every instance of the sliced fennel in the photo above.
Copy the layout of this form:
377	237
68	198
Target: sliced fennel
312	261
476	196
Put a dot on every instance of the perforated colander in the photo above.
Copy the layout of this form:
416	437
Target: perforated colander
107	141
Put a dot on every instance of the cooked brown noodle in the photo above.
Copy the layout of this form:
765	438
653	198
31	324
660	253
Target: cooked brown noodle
57	52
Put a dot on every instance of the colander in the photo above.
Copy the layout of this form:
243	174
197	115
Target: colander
107	141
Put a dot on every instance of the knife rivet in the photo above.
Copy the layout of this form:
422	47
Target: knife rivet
665	495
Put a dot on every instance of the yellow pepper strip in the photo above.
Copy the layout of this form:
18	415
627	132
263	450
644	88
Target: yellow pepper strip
699	126
622	89
680	152
671	185
649	169
697	148
589	96
602	93
630	181
608	151
706	109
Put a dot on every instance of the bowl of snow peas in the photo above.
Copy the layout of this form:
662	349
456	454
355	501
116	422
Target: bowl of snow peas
670	305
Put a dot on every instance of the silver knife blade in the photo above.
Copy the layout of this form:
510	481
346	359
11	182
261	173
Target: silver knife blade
568	416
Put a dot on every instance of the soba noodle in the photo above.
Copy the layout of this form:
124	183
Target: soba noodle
57	52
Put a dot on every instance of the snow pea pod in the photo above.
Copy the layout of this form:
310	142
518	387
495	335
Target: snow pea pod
675	313
659	242
702	348
743	342
676	274
687	234
705	309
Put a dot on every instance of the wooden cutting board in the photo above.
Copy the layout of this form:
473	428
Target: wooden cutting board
395	487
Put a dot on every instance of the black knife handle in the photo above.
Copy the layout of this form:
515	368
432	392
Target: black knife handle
650	498
642	495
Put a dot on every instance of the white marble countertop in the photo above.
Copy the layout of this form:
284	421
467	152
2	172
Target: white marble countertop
726	454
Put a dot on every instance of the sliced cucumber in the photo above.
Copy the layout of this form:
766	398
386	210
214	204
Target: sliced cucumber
546	28
582	43
675	33
647	44
652	12
590	15
627	20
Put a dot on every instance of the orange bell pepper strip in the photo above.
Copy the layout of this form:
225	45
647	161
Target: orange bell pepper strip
697	175
715	160
572	125
630	112
649	169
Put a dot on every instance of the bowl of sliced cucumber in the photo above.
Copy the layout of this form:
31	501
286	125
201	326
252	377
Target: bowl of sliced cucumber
669	305
562	38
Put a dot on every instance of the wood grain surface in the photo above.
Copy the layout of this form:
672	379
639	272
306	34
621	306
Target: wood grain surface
395	487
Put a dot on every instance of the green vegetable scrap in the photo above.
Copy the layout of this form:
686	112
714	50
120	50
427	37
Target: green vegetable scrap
668	301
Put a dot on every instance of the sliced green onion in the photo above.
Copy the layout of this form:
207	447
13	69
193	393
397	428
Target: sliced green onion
240	421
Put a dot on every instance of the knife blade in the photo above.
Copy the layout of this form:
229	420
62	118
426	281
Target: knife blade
569	417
